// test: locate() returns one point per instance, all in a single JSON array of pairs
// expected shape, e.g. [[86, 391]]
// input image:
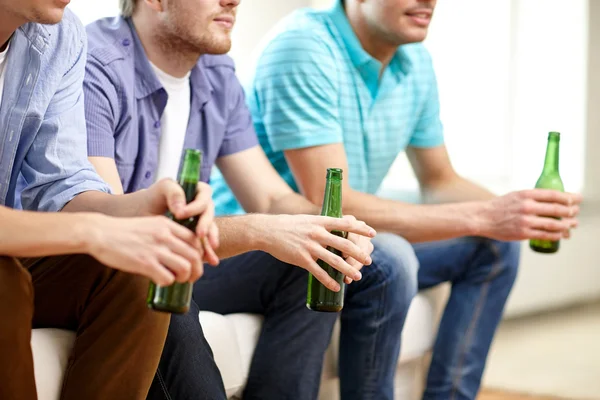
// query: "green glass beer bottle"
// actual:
[[176, 297], [319, 298], [550, 179]]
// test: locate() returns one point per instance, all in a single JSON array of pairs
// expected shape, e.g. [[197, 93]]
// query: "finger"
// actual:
[[576, 198], [347, 247], [321, 275], [553, 196], [347, 280], [571, 222], [174, 195], [198, 206], [566, 234], [189, 253], [548, 224], [551, 209], [213, 236], [185, 234], [354, 264], [205, 220], [158, 274], [209, 254], [542, 235], [197, 271], [336, 262], [347, 225], [178, 265]]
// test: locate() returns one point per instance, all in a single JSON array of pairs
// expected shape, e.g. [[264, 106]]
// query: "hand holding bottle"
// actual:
[[303, 239], [539, 214]]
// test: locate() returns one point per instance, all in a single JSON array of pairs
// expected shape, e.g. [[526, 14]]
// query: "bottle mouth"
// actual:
[[335, 173], [555, 135]]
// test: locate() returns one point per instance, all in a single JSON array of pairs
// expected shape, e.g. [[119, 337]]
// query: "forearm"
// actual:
[[454, 190], [240, 234], [293, 203], [128, 205], [36, 234], [416, 222]]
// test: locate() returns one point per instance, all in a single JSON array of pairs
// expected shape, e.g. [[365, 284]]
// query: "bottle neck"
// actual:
[[551, 161], [190, 174], [332, 201]]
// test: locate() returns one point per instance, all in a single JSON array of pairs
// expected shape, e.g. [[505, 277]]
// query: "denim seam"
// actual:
[[477, 314], [162, 385], [380, 312]]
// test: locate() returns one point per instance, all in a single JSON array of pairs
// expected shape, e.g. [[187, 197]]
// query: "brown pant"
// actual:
[[119, 340]]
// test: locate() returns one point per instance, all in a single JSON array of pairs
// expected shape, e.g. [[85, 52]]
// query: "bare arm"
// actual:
[[31, 234], [511, 217], [261, 190], [296, 239], [439, 181], [416, 223]]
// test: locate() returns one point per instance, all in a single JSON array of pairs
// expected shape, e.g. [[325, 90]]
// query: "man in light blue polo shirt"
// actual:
[[352, 87]]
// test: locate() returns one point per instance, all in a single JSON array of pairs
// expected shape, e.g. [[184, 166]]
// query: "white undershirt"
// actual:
[[173, 123], [3, 58]]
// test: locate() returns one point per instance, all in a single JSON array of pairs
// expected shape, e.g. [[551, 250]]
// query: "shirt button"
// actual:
[[148, 174], [157, 124], [126, 42]]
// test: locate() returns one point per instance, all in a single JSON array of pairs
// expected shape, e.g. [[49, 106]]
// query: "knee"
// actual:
[[508, 255], [395, 261], [15, 284]]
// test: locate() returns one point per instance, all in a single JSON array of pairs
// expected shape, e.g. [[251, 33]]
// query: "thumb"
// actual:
[[175, 197]]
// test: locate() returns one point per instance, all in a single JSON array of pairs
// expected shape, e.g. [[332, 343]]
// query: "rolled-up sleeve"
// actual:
[[240, 134], [56, 168]]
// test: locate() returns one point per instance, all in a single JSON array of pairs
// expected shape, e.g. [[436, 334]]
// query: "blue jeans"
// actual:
[[482, 273], [288, 358]]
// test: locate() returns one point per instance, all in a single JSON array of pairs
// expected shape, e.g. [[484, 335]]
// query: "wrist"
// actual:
[[478, 221], [86, 233], [258, 229]]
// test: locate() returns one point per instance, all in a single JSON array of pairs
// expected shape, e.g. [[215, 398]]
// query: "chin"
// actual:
[[220, 47], [415, 36], [49, 17]]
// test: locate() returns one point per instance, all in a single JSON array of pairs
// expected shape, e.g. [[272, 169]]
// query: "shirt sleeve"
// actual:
[[101, 109], [296, 89], [56, 168], [429, 131], [240, 134]]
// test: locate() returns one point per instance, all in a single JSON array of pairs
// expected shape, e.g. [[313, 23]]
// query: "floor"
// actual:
[[556, 354], [495, 395]]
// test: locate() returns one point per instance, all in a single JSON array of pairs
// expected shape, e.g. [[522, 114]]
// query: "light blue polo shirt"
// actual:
[[313, 85]]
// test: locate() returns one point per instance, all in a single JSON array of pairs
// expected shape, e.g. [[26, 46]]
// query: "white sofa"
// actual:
[[233, 338]]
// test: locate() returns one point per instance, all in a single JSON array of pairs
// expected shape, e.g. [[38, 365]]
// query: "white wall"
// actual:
[[91, 10]]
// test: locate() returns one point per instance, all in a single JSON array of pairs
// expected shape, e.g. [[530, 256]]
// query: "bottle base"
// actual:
[[324, 307], [544, 250], [168, 309]]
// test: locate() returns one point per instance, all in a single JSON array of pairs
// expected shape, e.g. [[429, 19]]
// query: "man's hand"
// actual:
[[302, 239], [363, 242], [531, 214], [155, 247], [168, 195]]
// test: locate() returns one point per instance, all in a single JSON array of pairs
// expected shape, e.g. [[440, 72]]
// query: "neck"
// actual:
[[369, 40], [8, 25], [169, 54]]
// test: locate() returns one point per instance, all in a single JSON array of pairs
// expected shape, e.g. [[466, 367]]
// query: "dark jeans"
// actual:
[[288, 358]]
